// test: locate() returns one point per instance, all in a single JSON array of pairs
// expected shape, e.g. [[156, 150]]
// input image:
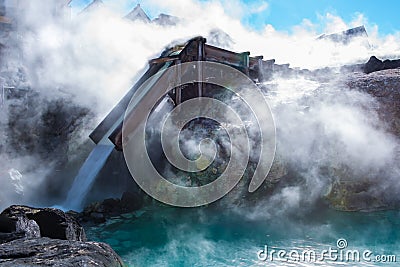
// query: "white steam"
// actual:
[[326, 134], [94, 58]]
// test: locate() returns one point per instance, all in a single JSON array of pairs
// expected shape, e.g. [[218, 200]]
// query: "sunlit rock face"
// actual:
[[384, 85], [368, 191], [355, 196]]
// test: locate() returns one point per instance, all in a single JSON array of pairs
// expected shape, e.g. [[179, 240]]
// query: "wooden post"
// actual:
[[178, 89], [200, 57], [245, 58], [260, 68]]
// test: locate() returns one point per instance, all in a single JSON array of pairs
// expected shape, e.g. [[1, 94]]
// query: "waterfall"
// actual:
[[87, 175]]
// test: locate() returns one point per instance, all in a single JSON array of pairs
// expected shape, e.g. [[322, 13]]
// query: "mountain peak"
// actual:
[[95, 4], [138, 14], [166, 20]]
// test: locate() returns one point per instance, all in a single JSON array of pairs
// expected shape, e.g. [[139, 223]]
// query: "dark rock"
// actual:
[[7, 237], [15, 211], [373, 64], [7, 225], [55, 252], [48, 237], [98, 212], [53, 223], [131, 201], [19, 224], [73, 214], [391, 64], [56, 224], [111, 205], [97, 217], [42, 127]]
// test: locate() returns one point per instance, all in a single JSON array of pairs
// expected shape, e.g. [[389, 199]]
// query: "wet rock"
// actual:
[[56, 224], [7, 225], [355, 196], [7, 237], [29, 227], [110, 205], [99, 212], [352, 192], [55, 252], [131, 201], [48, 237], [52, 223], [278, 170], [15, 227], [8, 230], [97, 217]]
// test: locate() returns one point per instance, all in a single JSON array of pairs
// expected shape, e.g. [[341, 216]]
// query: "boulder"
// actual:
[[45, 222], [49, 237], [17, 227], [55, 252]]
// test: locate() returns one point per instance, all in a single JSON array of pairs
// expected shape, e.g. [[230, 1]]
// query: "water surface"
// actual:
[[167, 236]]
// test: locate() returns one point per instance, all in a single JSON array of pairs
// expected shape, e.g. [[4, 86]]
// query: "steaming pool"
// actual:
[[282, 231], [167, 236]]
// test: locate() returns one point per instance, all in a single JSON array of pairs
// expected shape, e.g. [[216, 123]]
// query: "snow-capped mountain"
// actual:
[[138, 14]]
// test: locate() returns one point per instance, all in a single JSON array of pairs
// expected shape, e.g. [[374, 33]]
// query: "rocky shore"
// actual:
[[99, 212], [49, 237]]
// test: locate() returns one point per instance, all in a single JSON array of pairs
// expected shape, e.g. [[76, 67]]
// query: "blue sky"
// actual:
[[284, 14]]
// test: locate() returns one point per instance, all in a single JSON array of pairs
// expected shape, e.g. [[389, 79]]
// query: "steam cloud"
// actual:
[[95, 57]]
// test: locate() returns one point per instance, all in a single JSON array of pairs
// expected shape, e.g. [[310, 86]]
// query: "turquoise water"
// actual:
[[212, 236]]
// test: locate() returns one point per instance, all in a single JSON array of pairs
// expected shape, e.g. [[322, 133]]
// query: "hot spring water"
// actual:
[[167, 236], [287, 229]]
